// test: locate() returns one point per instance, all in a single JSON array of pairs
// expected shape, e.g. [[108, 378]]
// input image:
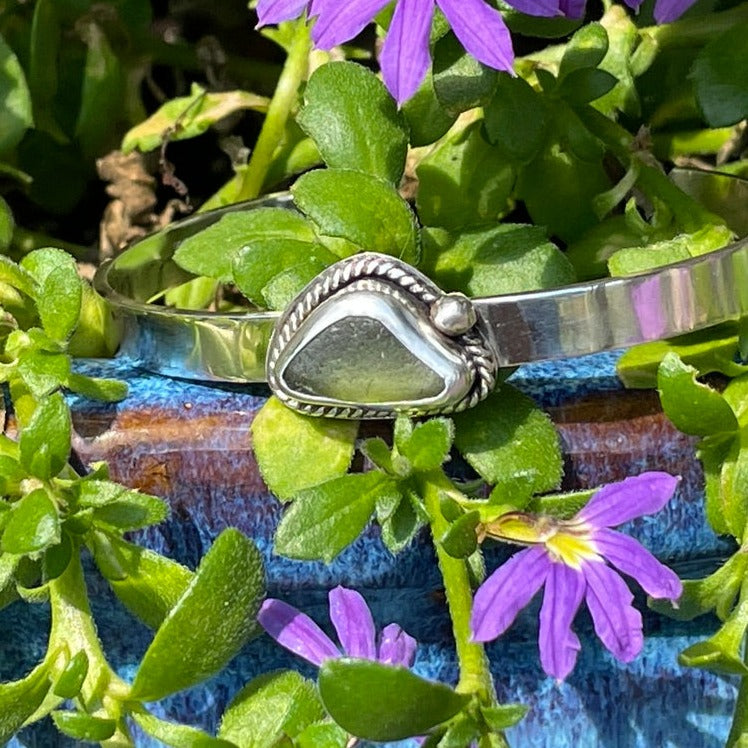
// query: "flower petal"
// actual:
[[668, 10], [396, 647], [634, 559], [617, 623], [337, 22], [509, 589], [351, 617], [296, 632], [536, 7], [405, 57], [270, 12], [482, 31], [562, 596], [572, 8], [619, 502]]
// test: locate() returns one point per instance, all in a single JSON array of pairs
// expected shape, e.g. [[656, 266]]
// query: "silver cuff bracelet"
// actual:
[[371, 337]]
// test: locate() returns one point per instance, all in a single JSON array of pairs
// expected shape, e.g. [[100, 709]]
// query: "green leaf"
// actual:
[[189, 116], [461, 731], [33, 524], [44, 49], [11, 474], [322, 735], [586, 85], [223, 599], [463, 181], [295, 452], [427, 119], [20, 699], [375, 449], [43, 372], [120, 507], [682, 247], [516, 120], [508, 258], [324, 519], [709, 350], [281, 290], [378, 219], [211, 252], [148, 584], [722, 653], [98, 331], [15, 113], [716, 592], [508, 435], [377, 702], [107, 390], [71, 680], [726, 472], [428, 445], [354, 121], [693, 407], [84, 727], [275, 705], [400, 526], [460, 541], [585, 50], [721, 80], [14, 275], [45, 441], [60, 290], [558, 185], [180, 736], [256, 264], [132, 512], [460, 81], [102, 94], [8, 565], [503, 716]]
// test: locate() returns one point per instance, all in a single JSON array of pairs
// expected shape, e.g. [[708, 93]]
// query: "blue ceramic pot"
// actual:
[[191, 444]]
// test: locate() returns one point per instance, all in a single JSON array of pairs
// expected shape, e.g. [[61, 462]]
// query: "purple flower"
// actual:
[[568, 557], [351, 617], [405, 55]]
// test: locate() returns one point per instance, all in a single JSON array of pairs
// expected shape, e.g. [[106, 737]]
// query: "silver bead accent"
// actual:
[[453, 314]]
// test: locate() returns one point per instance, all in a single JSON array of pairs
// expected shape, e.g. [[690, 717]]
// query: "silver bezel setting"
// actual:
[[476, 355]]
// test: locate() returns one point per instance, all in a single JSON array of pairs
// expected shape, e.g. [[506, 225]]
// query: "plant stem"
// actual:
[[74, 629], [695, 31], [689, 213], [739, 725], [294, 72], [475, 676]]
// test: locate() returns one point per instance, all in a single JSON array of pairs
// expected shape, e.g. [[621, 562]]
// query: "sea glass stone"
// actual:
[[366, 347]]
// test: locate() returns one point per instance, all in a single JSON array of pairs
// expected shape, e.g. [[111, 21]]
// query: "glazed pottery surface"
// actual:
[[191, 444]]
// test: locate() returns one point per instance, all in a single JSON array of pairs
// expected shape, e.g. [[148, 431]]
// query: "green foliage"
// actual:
[[326, 518], [15, 116], [508, 436], [189, 116], [224, 597], [507, 258], [295, 452], [463, 182], [379, 220], [721, 86], [693, 407], [377, 702], [278, 704], [211, 252], [354, 121]]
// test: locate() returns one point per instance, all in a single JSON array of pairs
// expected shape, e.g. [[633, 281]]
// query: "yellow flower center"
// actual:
[[567, 541]]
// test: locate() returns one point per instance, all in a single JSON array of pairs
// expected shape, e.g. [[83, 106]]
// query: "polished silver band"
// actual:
[[328, 331]]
